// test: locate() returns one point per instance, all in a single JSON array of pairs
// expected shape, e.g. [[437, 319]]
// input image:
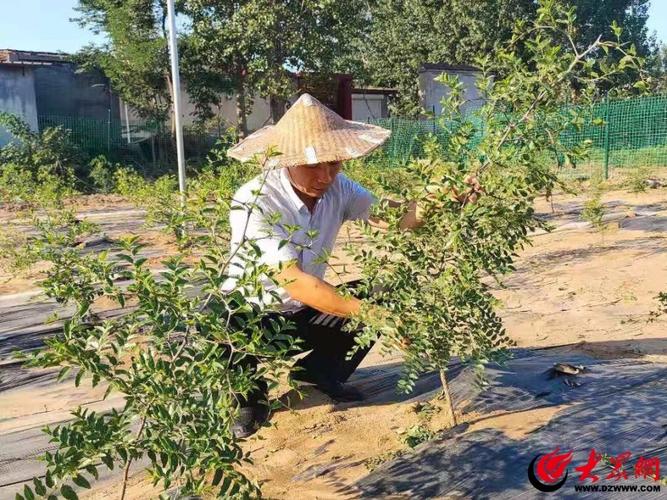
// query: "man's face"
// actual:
[[314, 180]]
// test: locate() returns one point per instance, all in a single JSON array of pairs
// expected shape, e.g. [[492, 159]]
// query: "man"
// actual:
[[304, 186]]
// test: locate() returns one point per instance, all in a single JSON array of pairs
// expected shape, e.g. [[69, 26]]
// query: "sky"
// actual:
[[41, 25], [45, 25], [658, 19]]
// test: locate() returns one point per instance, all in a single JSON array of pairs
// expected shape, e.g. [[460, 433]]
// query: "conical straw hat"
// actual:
[[310, 133]]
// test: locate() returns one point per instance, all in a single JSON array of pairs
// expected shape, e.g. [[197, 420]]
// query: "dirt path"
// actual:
[[598, 287], [575, 285]]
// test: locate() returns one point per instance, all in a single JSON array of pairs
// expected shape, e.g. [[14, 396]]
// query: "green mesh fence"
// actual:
[[93, 136], [409, 136], [634, 135], [145, 145]]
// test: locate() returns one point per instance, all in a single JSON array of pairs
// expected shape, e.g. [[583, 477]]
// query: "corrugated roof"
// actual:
[[26, 57], [374, 90], [448, 67]]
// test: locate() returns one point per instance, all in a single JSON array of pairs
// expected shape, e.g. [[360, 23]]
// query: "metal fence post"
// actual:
[[176, 90], [606, 137], [109, 129]]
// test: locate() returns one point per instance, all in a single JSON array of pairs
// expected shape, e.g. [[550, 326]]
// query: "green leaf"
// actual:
[[217, 477], [27, 492], [625, 60], [92, 470], [79, 376], [63, 373], [48, 479], [40, 489], [81, 481], [108, 461], [68, 492]]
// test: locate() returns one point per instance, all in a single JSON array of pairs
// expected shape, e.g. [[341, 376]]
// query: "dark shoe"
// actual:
[[334, 389], [250, 419], [303, 375], [340, 392]]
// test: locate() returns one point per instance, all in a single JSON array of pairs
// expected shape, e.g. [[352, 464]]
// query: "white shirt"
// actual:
[[257, 212]]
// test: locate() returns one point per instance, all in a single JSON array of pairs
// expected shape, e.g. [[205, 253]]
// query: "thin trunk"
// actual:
[[277, 108], [126, 471], [448, 397], [170, 87], [241, 111], [276, 102]]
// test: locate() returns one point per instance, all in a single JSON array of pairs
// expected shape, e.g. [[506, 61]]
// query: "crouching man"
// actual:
[[305, 186]]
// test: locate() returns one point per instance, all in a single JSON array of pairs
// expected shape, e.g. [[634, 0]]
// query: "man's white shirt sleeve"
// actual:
[[358, 200], [265, 236]]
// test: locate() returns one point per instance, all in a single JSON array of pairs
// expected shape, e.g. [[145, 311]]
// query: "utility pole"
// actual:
[[109, 116], [127, 124], [606, 137], [176, 86]]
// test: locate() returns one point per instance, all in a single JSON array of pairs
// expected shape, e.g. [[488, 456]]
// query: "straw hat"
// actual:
[[310, 133]]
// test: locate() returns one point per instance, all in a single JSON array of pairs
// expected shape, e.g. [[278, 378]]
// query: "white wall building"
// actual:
[[17, 96], [370, 103], [432, 92]]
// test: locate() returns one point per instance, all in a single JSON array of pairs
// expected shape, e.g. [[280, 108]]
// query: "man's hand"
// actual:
[[324, 297], [316, 293], [470, 194], [414, 216], [473, 193], [389, 323], [416, 210]]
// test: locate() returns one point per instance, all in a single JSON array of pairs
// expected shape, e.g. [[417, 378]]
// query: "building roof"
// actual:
[[374, 90], [448, 67], [27, 57]]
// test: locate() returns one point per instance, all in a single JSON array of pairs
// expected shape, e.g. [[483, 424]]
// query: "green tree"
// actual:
[[595, 17], [476, 188], [50, 150], [176, 355], [36, 165], [250, 47], [405, 34], [135, 56], [657, 67], [228, 49]]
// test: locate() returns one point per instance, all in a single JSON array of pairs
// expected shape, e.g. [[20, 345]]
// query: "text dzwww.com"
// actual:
[[645, 488]]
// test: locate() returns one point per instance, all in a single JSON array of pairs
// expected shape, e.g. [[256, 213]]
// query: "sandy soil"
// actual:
[[575, 285], [582, 285]]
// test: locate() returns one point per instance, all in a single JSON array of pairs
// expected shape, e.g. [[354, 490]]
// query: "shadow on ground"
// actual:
[[619, 405], [653, 224], [522, 383], [489, 464]]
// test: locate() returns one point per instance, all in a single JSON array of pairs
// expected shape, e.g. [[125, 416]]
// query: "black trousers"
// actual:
[[321, 334]]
